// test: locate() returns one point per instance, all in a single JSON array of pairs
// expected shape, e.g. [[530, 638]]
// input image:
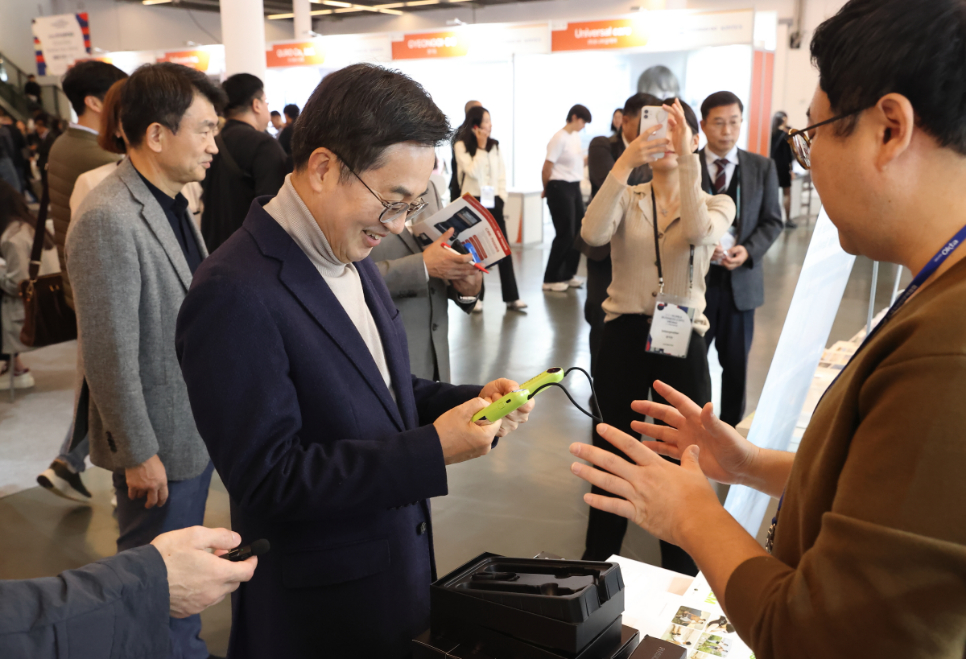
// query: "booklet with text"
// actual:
[[474, 227]]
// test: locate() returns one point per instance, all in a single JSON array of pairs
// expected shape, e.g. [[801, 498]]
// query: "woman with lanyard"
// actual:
[[868, 553], [662, 236]]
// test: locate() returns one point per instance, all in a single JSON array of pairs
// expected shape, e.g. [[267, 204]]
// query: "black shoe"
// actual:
[[61, 480], [790, 225]]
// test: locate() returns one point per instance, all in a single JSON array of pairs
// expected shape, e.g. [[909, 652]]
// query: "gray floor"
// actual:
[[517, 501]]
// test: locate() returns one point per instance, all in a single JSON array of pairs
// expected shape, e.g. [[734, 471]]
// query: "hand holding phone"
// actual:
[[652, 116]]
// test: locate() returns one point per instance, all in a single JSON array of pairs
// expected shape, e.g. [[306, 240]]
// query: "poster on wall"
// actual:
[[59, 41], [429, 45]]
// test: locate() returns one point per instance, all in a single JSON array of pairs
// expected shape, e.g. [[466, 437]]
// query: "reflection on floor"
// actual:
[[519, 500]]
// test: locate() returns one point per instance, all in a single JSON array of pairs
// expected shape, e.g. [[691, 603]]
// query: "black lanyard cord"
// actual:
[[657, 250]]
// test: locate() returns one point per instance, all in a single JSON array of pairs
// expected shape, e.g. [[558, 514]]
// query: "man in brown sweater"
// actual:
[[72, 154], [869, 550]]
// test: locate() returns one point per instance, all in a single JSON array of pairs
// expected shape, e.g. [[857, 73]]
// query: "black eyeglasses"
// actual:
[[392, 210], [801, 140]]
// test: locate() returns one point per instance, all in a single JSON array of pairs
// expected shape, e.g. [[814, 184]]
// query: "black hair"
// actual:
[[13, 208], [580, 112], [162, 93], [718, 100], [89, 78], [466, 135], [873, 48], [778, 120], [633, 105], [44, 118], [361, 110], [241, 89], [274, 113], [689, 116], [291, 111]]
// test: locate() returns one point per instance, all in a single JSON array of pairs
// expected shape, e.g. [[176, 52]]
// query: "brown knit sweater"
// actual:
[[870, 549]]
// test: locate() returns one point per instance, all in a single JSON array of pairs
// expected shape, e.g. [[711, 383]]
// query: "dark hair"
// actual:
[[30, 76], [466, 135], [718, 100], [108, 138], [291, 111], [580, 112], [274, 113], [89, 78], [689, 115], [43, 118], [241, 89], [778, 120], [162, 93], [633, 105], [870, 49], [13, 208], [361, 110]]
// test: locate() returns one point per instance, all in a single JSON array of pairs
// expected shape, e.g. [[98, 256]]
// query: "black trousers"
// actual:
[[599, 274], [625, 373], [731, 331], [566, 206], [508, 280]]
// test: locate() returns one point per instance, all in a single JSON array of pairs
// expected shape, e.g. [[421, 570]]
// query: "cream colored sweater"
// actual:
[[621, 215]]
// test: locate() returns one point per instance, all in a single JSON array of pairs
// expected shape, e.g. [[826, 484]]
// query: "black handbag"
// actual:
[[47, 318]]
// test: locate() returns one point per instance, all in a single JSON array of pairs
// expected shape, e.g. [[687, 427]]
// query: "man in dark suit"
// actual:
[[736, 282], [421, 283], [601, 156], [296, 365]]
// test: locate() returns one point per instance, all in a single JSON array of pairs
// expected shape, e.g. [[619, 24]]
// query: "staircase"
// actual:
[[12, 98]]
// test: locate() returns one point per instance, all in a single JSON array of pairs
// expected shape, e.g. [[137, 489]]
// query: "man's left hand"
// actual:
[[498, 388], [735, 257], [470, 285]]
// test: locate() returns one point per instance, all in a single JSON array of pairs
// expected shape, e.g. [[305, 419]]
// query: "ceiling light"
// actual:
[[337, 3], [389, 6], [420, 3], [154, 2], [315, 12], [455, 1]]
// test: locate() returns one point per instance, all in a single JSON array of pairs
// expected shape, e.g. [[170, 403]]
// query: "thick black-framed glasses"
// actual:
[[392, 210], [801, 140]]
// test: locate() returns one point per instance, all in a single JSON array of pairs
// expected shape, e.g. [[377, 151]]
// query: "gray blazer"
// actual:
[[116, 607], [422, 301], [759, 222], [129, 278]]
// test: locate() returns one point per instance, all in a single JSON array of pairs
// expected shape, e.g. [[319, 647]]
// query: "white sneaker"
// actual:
[[23, 381], [576, 282], [516, 305], [478, 307], [557, 286]]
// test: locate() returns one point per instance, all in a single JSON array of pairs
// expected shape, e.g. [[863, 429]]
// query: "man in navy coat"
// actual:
[[298, 373]]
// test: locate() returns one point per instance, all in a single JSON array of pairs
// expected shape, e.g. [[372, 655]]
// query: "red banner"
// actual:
[[432, 44]]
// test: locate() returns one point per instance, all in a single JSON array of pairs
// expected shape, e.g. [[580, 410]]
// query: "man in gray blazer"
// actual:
[[131, 253], [421, 282], [736, 280]]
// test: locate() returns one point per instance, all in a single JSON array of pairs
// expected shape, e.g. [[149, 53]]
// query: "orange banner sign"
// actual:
[[306, 53], [596, 35], [196, 59], [433, 44]]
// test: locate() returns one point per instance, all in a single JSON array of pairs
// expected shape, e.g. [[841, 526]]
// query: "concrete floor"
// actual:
[[519, 500]]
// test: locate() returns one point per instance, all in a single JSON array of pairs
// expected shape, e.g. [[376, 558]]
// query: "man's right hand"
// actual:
[[196, 578], [726, 456], [462, 439], [148, 479], [444, 263]]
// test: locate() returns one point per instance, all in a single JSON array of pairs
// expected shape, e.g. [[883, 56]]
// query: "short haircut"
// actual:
[[689, 115], [42, 118], [274, 113], [361, 110], [470, 104], [633, 105], [89, 78], [718, 100], [111, 120], [291, 111], [241, 89], [162, 93], [580, 112], [659, 78], [873, 48]]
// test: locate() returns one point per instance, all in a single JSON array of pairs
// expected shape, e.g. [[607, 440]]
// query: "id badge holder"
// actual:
[[488, 196], [671, 325]]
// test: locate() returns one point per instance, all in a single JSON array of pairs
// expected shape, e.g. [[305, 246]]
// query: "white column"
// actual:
[[243, 33], [303, 18]]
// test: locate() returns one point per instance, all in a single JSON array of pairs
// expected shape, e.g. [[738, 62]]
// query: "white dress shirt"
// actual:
[[732, 158]]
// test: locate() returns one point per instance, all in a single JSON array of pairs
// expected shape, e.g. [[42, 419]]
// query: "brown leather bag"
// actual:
[[47, 318]]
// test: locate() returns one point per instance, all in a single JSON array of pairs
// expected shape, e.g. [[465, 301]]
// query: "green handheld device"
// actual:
[[513, 400]]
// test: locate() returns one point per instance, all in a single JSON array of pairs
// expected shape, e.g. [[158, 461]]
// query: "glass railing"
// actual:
[[12, 81]]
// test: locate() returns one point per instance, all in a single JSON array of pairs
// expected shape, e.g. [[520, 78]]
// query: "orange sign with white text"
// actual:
[[433, 44], [597, 35], [305, 53], [196, 59]]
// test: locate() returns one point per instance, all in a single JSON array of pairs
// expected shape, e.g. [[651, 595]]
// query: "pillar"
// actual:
[[303, 18], [243, 33]]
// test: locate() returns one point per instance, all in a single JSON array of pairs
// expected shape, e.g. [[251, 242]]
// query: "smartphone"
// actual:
[[652, 116]]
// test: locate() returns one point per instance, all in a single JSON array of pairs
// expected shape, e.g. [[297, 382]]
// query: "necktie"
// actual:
[[719, 179]]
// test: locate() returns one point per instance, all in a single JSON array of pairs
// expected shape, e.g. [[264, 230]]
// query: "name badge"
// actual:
[[671, 326], [488, 196]]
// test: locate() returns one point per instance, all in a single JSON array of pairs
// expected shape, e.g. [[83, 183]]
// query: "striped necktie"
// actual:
[[720, 180]]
